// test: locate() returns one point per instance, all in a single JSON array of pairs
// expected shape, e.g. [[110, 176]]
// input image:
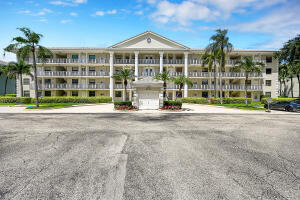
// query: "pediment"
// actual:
[[149, 40]]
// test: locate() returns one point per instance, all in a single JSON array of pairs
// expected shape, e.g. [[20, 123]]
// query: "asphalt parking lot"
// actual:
[[149, 156]]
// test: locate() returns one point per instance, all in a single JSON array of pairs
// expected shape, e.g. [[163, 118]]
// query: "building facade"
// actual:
[[10, 85], [88, 71]]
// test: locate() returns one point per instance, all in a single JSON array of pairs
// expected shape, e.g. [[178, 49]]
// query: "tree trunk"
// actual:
[[165, 91], [292, 89], [215, 81], [280, 87], [35, 79], [246, 87], [284, 88], [298, 77], [5, 86], [221, 91], [125, 90], [21, 85]]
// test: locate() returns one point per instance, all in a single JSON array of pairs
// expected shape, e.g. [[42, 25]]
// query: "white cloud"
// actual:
[[43, 20], [140, 12], [100, 13], [44, 11], [24, 12], [112, 12], [65, 21], [73, 14], [67, 2]]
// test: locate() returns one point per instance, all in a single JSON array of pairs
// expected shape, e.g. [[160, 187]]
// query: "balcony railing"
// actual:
[[144, 74], [124, 61], [70, 61], [227, 62], [149, 61], [225, 74], [173, 61], [59, 86], [121, 86], [72, 73], [224, 87]]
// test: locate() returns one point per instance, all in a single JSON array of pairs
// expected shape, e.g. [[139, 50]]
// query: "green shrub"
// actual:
[[275, 100], [102, 99], [173, 103], [226, 100], [11, 95], [25, 100], [123, 103]]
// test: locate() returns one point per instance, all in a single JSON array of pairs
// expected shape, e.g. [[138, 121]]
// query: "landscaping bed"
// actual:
[[226, 100], [124, 105], [172, 105]]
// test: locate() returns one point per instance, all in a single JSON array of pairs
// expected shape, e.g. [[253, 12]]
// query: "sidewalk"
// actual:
[[108, 108]]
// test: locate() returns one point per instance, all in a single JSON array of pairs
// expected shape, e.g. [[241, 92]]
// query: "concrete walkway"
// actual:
[[108, 108]]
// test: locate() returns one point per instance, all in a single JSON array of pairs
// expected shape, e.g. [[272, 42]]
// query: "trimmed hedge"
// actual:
[[123, 103], [25, 100], [275, 100], [226, 100], [11, 95], [173, 103], [74, 99]]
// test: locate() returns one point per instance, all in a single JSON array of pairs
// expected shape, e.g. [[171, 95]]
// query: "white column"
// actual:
[[161, 62], [186, 72], [111, 73], [136, 66]]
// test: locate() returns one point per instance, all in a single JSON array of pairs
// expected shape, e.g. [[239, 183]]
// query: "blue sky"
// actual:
[[252, 24]]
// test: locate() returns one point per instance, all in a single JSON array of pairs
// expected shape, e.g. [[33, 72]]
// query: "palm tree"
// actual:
[[164, 76], [124, 75], [17, 69], [28, 46], [210, 58], [181, 80], [283, 75], [220, 42], [291, 73], [249, 66], [6, 70]]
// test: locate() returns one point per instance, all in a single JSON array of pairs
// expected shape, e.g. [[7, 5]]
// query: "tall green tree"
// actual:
[[124, 75], [164, 76], [220, 43], [6, 70], [249, 66], [283, 75], [29, 46], [17, 69], [181, 80], [210, 59]]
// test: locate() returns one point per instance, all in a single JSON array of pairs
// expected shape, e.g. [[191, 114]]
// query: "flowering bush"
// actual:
[[171, 105], [124, 107], [170, 108]]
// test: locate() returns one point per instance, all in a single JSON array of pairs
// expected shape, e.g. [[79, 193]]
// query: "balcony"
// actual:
[[64, 86], [145, 74], [173, 61], [121, 86], [70, 73], [225, 87], [225, 74], [124, 61], [149, 61], [70, 61]]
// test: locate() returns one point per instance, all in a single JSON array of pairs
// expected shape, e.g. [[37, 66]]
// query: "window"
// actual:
[[83, 69], [205, 70], [92, 57], [26, 81], [47, 93], [47, 69], [178, 94], [205, 94], [47, 81], [118, 94], [74, 93], [268, 82], [92, 69], [248, 82], [101, 94], [92, 81], [74, 81], [170, 95], [268, 94], [26, 93], [92, 93], [118, 82], [75, 56], [74, 69], [269, 59], [269, 71], [204, 82]]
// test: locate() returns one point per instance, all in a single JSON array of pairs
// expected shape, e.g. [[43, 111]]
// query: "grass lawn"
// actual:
[[53, 105], [252, 106]]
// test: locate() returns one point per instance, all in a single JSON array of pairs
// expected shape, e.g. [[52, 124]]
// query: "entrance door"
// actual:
[[148, 100]]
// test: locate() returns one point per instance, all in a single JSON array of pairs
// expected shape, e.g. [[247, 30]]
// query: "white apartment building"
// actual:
[[88, 71]]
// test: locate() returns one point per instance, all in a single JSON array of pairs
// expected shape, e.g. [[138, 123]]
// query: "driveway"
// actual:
[[150, 156], [108, 108]]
